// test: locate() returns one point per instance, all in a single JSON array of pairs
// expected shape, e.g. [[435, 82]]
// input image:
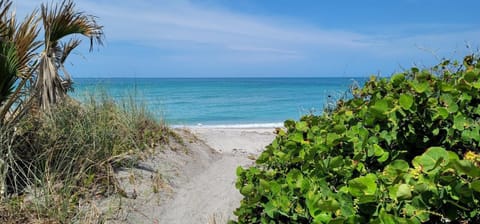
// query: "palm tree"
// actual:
[[40, 79], [17, 49], [59, 22]]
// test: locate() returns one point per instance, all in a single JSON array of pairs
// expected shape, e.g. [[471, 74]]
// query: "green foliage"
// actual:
[[401, 150], [8, 69]]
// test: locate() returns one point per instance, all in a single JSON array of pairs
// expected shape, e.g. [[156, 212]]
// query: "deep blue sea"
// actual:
[[222, 101]]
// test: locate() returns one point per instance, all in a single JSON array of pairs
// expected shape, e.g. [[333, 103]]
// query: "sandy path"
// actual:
[[198, 179], [212, 193]]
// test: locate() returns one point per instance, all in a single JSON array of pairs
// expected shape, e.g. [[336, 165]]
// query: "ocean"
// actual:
[[229, 102]]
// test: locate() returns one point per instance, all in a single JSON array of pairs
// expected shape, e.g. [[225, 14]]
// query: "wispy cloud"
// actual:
[[183, 22], [186, 31]]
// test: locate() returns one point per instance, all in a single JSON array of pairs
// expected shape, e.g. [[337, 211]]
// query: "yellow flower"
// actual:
[[471, 156]]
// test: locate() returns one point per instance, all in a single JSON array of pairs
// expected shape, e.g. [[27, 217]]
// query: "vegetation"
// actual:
[[55, 153], [400, 150], [51, 163], [32, 79]]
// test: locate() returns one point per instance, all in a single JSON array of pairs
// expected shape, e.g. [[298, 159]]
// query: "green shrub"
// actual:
[[401, 150]]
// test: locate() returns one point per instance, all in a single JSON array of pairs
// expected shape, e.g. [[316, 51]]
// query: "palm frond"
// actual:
[[8, 70], [4, 17], [63, 20], [26, 42], [23, 37], [67, 48]]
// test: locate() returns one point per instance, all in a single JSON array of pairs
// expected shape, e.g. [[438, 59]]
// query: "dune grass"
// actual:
[[51, 163]]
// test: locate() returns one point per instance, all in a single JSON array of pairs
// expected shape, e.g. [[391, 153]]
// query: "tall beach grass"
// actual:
[[51, 163]]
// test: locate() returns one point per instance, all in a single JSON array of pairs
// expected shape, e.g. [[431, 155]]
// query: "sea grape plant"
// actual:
[[403, 149]]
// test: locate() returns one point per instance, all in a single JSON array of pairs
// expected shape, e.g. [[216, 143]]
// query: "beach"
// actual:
[[198, 178], [247, 140]]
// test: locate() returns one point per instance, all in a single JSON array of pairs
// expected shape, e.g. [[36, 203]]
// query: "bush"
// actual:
[[401, 150]]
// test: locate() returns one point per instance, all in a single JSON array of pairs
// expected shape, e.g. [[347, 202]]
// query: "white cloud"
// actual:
[[187, 23], [187, 32], [182, 21]]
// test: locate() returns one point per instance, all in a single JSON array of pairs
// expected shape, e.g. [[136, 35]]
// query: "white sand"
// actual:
[[200, 179], [232, 140], [212, 192]]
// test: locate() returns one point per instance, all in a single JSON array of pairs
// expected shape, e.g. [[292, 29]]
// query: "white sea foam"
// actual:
[[232, 126]]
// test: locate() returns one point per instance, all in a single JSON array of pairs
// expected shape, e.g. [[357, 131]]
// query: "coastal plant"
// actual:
[[39, 79], [403, 149], [59, 22], [18, 45], [69, 156]]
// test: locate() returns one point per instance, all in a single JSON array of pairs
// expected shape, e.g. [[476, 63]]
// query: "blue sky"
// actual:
[[273, 38]]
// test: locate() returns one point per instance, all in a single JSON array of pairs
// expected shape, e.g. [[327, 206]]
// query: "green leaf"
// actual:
[[450, 102], [302, 126], [431, 159], [294, 178], [336, 162], [459, 122], [447, 87], [270, 209], [247, 189], [330, 205], [476, 84], [386, 218], [339, 128], [441, 113], [380, 107], [378, 151], [404, 192], [397, 79], [296, 137], [470, 76], [289, 124], [322, 217], [406, 101], [452, 108], [466, 167], [477, 110], [240, 170], [420, 87], [362, 186], [384, 157], [395, 169], [312, 200]]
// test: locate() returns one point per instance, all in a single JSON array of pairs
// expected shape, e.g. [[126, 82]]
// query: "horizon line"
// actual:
[[224, 77]]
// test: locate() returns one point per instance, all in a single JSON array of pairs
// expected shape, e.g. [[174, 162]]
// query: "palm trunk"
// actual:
[[48, 86]]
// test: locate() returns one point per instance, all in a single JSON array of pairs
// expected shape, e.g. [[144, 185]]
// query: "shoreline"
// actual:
[[267, 125]]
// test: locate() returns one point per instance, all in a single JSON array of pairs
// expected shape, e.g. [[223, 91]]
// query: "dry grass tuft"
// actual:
[[217, 218]]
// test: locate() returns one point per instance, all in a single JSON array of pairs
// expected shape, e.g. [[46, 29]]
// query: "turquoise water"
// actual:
[[223, 101]]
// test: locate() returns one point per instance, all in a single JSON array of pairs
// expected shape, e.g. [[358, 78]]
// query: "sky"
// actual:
[[272, 38]]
